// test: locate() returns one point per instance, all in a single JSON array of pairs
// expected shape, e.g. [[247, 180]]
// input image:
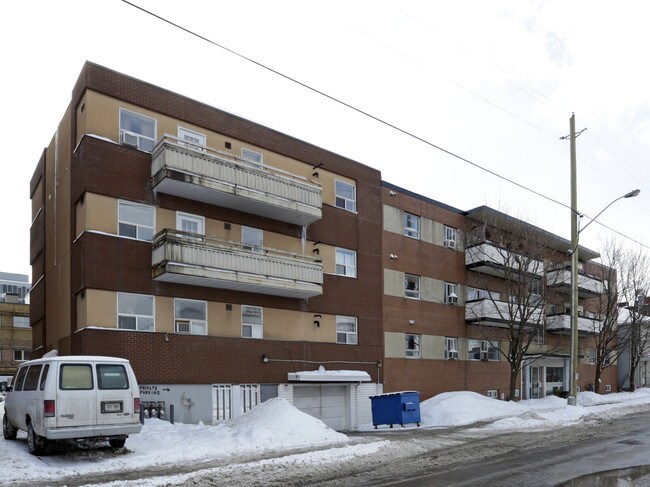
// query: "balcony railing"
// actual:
[[499, 313], [193, 259], [488, 258], [219, 178], [561, 323], [588, 286]]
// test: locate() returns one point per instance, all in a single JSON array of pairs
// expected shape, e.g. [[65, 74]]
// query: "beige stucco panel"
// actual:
[[100, 309], [433, 347], [395, 345], [393, 283], [393, 220], [97, 213]]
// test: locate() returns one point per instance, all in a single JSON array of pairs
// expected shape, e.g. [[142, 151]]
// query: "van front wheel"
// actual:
[[8, 431], [35, 443]]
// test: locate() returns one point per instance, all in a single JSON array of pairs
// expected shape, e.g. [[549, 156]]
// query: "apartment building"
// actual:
[[228, 262], [458, 284], [15, 333]]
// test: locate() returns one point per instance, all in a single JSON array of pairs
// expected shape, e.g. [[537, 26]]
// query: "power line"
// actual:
[[366, 114]]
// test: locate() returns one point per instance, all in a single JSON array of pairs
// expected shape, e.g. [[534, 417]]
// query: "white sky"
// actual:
[[276, 426], [494, 82]]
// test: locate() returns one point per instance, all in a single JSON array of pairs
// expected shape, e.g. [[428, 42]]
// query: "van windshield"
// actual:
[[112, 376]]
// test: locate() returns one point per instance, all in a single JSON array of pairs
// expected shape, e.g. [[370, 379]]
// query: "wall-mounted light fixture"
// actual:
[[393, 193], [411, 322], [317, 322], [392, 256], [166, 337], [265, 359]]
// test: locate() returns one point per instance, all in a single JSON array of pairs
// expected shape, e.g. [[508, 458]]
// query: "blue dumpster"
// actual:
[[396, 408]]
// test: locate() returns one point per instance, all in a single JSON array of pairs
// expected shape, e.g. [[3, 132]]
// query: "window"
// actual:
[[191, 139], [76, 377], [135, 312], [591, 355], [251, 322], [136, 221], [483, 350], [412, 346], [412, 286], [252, 156], [493, 350], [190, 223], [450, 237], [451, 293], [21, 321], [31, 379], [20, 377], [473, 349], [191, 316], [46, 369], [346, 262], [346, 197], [21, 355], [411, 225], [252, 238], [112, 377], [346, 330], [475, 294], [451, 348], [554, 374], [137, 130]]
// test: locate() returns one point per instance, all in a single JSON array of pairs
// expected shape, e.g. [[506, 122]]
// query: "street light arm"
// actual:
[[631, 194]]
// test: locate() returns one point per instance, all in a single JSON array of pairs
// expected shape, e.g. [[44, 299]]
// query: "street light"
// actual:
[[575, 233]]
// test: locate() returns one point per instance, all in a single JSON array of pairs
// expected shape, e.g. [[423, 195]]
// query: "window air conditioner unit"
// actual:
[[450, 244], [129, 139], [183, 326], [452, 354]]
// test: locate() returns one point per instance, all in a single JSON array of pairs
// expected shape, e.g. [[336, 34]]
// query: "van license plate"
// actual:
[[111, 407]]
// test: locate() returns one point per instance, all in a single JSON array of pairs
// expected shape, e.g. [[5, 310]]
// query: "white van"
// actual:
[[73, 397]]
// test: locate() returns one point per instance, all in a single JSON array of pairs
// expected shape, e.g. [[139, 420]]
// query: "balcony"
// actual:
[[491, 259], [560, 280], [185, 258], [219, 178], [561, 324], [498, 313]]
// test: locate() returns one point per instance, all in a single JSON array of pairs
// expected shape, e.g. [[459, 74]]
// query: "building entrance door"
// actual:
[[536, 386]]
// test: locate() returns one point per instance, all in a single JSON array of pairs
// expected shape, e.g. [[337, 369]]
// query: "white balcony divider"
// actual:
[[562, 322], [497, 311], [562, 277], [489, 253], [181, 256], [224, 173]]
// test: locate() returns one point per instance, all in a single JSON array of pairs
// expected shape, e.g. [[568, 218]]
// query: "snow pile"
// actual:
[[464, 407], [274, 425]]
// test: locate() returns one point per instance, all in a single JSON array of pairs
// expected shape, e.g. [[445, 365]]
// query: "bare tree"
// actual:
[[509, 298], [609, 340], [633, 284]]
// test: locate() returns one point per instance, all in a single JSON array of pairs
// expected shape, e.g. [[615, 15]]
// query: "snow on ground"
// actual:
[[275, 426]]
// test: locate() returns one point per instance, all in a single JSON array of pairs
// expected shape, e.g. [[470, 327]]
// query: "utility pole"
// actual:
[[573, 369]]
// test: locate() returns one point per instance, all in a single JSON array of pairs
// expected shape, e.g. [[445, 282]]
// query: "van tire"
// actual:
[[8, 430], [35, 443], [117, 442]]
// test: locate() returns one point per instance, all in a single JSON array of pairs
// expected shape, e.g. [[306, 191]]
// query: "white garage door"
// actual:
[[326, 403]]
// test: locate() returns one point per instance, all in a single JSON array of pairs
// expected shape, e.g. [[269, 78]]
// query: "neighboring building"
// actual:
[[222, 258], [634, 343], [15, 332], [446, 301]]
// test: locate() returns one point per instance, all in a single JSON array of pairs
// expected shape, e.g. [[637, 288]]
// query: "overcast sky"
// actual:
[[493, 82]]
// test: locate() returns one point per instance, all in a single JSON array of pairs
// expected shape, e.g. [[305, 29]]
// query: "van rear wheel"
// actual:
[[117, 442], [8, 431], [35, 443]]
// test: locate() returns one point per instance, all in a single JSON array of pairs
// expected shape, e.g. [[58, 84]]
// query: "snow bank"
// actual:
[[464, 407]]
